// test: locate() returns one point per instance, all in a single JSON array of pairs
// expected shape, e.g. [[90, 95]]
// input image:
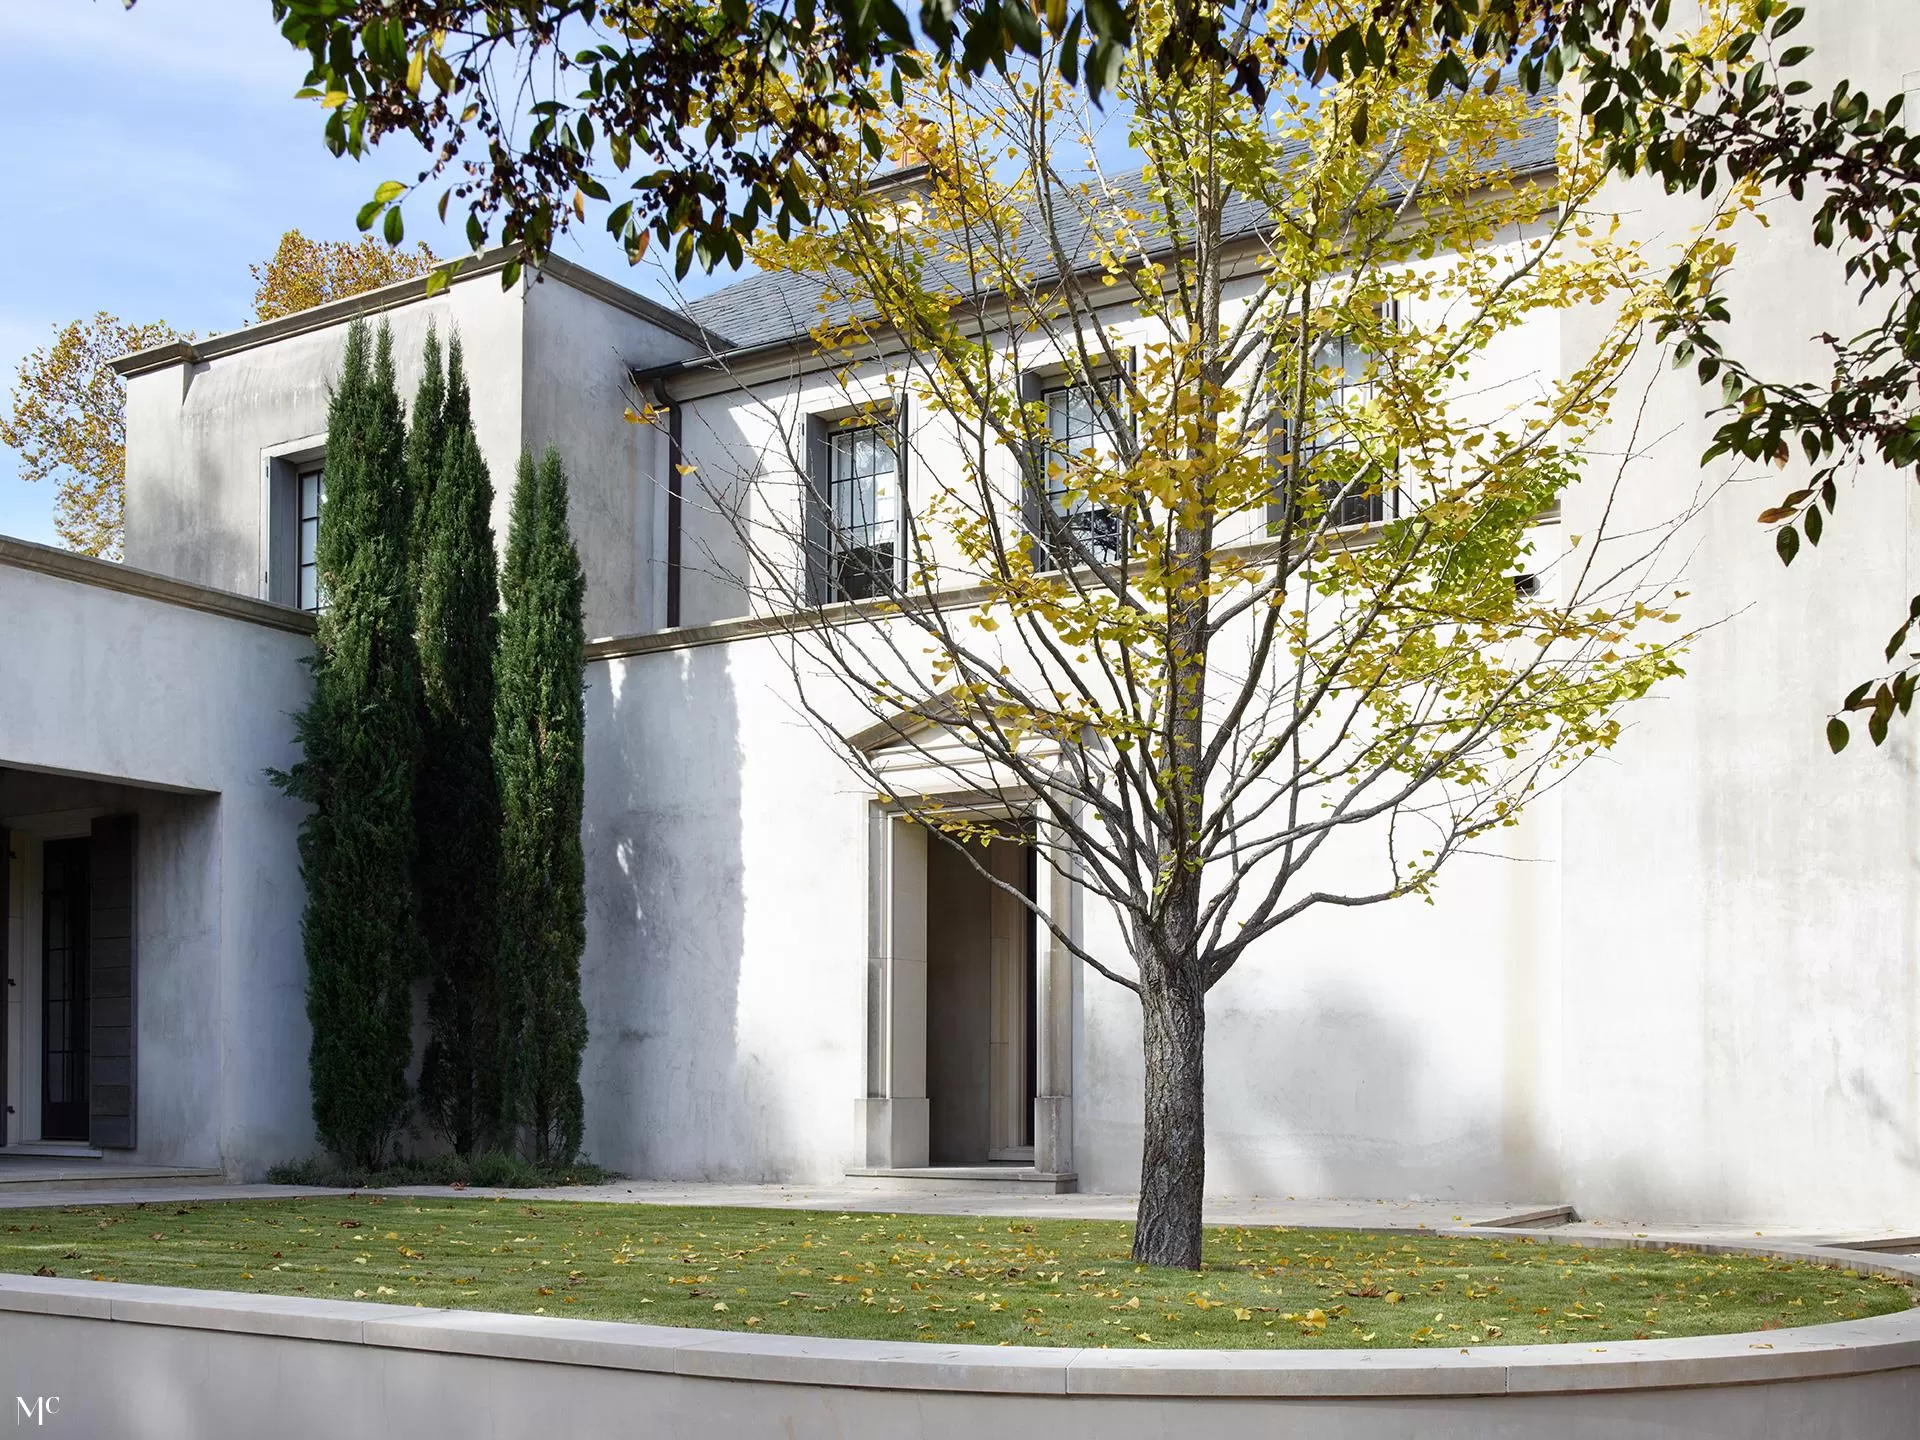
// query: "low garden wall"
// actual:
[[84, 1359]]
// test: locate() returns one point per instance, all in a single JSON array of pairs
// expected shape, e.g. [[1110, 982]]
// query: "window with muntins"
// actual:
[[1354, 491], [310, 487], [1074, 527], [861, 496]]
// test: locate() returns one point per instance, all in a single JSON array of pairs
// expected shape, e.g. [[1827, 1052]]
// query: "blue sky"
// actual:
[[153, 155]]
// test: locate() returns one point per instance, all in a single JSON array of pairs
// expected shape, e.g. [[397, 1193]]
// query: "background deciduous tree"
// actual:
[[1262, 609], [303, 273], [68, 423]]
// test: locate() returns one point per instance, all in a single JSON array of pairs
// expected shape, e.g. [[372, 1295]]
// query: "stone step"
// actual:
[[970, 1179], [1544, 1218], [39, 1172]]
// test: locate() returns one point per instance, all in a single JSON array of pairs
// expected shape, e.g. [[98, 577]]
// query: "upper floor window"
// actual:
[[853, 535], [310, 487], [1354, 489], [1073, 527]]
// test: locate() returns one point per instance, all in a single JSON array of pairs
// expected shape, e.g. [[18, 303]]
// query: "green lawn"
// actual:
[[985, 1281]]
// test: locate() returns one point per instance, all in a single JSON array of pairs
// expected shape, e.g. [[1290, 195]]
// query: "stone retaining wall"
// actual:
[[95, 1359]]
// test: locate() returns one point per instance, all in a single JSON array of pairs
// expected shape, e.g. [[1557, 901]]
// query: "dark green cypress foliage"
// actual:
[[457, 804], [359, 738], [426, 440], [539, 755]]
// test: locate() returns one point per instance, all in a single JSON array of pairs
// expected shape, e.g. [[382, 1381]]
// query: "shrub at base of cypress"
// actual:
[[359, 737], [538, 750], [457, 803]]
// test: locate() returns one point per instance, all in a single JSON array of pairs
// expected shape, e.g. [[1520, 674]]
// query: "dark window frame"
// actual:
[[856, 531], [309, 479], [1357, 508], [1063, 536]]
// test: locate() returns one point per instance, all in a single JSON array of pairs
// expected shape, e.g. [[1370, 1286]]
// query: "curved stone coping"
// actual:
[[1855, 1347]]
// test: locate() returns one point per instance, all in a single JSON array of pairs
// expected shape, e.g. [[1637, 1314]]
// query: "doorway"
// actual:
[[65, 898], [980, 1009]]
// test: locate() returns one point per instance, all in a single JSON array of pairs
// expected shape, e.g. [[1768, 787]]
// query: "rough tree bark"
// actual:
[[1173, 1160]]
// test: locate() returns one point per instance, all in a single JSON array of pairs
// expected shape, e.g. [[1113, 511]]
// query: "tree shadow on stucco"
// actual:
[[668, 1093], [1317, 1098]]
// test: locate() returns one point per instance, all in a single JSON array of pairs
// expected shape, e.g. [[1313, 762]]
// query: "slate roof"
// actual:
[[771, 307]]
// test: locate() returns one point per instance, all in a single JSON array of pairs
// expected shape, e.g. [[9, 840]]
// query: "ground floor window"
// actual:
[[64, 899]]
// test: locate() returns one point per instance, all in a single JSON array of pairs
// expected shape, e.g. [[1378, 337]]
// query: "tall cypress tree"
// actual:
[[359, 737], [457, 804], [539, 754], [426, 442]]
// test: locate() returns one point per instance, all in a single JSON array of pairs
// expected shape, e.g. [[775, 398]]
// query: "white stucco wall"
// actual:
[[1742, 909], [198, 435], [727, 925], [1406, 1050], [176, 714], [579, 352]]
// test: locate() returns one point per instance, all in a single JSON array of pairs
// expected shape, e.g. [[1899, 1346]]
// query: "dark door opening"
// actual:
[[63, 989], [980, 1002]]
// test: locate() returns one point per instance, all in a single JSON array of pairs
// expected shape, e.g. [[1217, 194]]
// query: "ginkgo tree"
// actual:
[[1231, 541]]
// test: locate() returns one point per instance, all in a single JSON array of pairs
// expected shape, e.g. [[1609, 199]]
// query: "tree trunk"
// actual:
[[1173, 1162]]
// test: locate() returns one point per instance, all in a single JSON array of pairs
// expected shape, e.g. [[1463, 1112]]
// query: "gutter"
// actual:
[[675, 499]]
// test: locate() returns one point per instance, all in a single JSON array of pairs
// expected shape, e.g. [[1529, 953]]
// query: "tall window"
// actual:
[[63, 994], [860, 495], [1078, 431], [1354, 489], [310, 487]]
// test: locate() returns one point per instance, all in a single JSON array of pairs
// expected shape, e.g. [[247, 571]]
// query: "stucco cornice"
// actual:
[[404, 292], [750, 627], [85, 570]]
